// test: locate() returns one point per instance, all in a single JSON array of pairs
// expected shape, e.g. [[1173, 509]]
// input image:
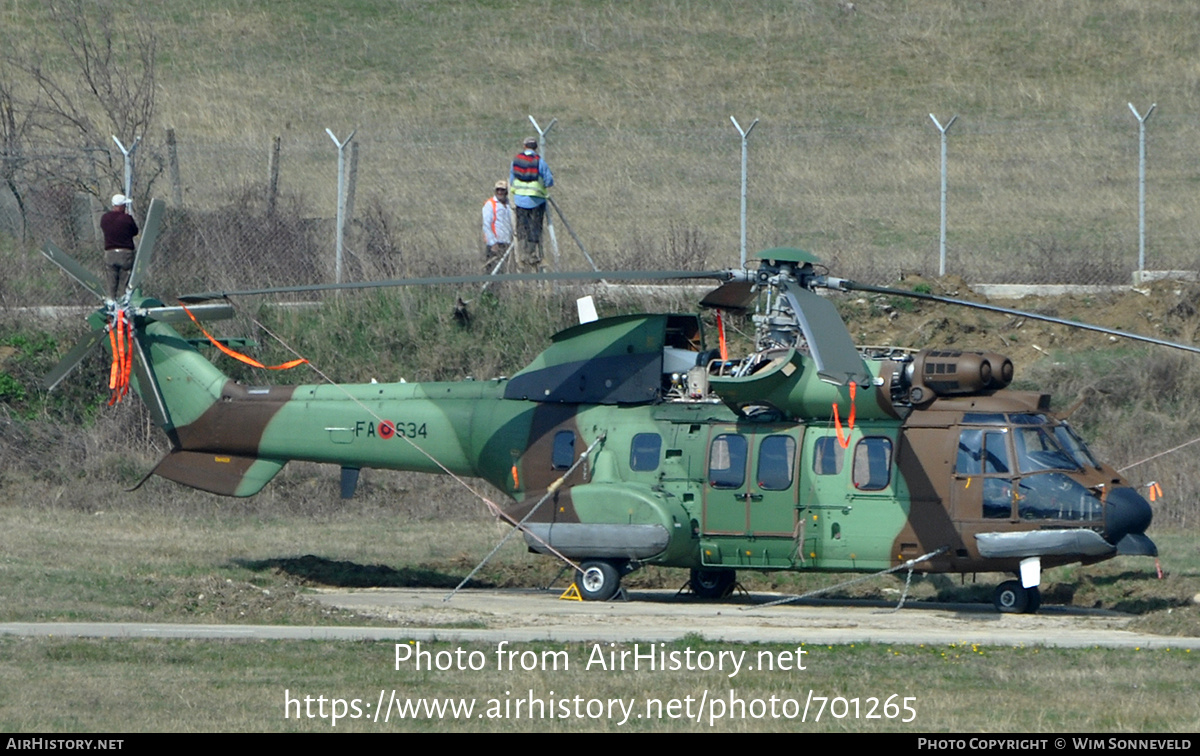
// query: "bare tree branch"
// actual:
[[107, 89]]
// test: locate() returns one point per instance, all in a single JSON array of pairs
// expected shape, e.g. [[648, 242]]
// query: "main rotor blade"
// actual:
[[175, 313], [844, 285], [151, 396], [145, 250], [832, 347], [85, 277], [623, 275], [731, 295], [73, 358]]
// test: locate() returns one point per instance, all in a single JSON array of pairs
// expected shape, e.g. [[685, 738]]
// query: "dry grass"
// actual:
[[97, 685]]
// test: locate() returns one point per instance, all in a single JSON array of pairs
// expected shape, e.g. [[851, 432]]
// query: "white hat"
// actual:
[[121, 199]]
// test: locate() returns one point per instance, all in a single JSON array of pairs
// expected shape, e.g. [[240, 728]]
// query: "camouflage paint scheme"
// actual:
[[694, 460], [605, 379]]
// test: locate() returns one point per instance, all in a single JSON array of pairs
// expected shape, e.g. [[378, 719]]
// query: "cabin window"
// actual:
[[644, 452], [775, 456], [563, 455], [873, 464], [827, 456], [727, 461]]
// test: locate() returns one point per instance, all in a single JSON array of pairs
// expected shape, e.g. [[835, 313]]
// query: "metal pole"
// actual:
[[549, 217], [745, 134], [173, 168], [341, 200], [942, 236], [128, 153], [1142, 182], [273, 176], [351, 182], [574, 236]]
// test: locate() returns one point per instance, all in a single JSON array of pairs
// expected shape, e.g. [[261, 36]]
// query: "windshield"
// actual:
[[1031, 473], [1038, 450], [1074, 446]]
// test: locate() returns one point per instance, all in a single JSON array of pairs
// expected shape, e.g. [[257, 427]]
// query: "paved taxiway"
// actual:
[[528, 615]]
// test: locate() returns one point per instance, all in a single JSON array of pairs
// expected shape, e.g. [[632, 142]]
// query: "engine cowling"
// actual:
[[940, 372]]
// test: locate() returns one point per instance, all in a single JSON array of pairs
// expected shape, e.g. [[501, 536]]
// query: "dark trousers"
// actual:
[[529, 223], [118, 263]]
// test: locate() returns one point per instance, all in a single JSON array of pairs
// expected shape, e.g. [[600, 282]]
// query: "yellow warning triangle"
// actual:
[[571, 594]]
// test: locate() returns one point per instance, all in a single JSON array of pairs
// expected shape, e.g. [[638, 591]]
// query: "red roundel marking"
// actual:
[[387, 429]]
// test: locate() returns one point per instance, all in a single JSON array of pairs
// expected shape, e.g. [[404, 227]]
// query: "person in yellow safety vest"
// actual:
[[529, 178], [497, 226]]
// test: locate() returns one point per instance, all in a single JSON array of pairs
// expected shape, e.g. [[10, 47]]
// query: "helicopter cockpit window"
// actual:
[[872, 464], [981, 452], [970, 452], [827, 456], [1055, 496], [984, 418], [775, 455], [1026, 418], [1074, 446], [1037, 450], [997, 498], [727, 461], [644, 452], [563, 455]]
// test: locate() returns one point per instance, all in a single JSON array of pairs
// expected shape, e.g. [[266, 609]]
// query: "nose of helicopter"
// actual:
[[1126, 517]]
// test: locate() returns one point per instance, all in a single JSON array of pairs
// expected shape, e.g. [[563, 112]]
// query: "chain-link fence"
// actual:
[[1029, 201]]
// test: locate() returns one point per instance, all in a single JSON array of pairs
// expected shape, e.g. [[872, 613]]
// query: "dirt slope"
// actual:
[[1168, 310]]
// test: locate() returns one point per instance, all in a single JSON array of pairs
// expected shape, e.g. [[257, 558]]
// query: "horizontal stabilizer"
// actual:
[[224, 474]]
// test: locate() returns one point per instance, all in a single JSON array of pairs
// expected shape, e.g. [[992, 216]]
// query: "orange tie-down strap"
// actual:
[[241, 357], [844, 441], [120, 337]]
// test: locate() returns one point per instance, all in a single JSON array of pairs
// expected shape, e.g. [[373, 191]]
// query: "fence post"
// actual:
[[341, 201], [273, 176], [128, 153], [351, 182], [942, 235], [745, 134], [173, 169], [1141, 186]]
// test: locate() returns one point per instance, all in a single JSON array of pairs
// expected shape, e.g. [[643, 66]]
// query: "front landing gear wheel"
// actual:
[[1013, 598], [598, 581], [713, 584]]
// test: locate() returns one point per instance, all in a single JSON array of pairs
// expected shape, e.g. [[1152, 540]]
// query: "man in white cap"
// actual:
[[119, 228], [497, 226]]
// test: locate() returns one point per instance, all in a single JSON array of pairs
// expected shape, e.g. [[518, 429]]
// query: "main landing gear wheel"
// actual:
[[598, 580], [713, 584], [1013, 598]]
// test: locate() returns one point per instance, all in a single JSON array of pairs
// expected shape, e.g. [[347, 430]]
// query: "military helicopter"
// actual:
[[805, 454]]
